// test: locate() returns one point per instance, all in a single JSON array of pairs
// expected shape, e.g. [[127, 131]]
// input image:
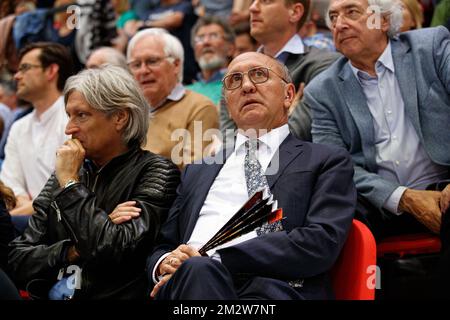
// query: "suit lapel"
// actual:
[[404, 72], [289, 149], [357, 104]]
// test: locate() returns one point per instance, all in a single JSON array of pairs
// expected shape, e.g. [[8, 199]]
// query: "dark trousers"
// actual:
[[444, 265], [202, 278], [421, 276], [7, 289], [384, 224]]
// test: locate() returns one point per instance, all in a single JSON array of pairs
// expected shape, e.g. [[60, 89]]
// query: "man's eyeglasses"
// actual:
[[211, 36], [149, 63], [24, 67], [256, 75]]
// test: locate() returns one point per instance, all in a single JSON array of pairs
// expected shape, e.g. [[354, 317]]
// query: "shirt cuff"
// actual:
[[154, 278], [391, 203], [216, 256]]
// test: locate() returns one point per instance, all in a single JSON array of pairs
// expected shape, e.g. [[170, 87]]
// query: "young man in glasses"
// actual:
[[33, 140], [155, 59], [312, 184]]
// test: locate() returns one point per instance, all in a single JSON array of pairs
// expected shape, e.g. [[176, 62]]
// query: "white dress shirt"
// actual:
[[229, 192], [30, 151], [400, 155]]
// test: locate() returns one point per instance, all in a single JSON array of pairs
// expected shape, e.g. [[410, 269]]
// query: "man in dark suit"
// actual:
[[275, 25], [312, 184]]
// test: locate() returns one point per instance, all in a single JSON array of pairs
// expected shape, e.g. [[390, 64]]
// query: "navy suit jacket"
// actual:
[[314, 188], [341, 115]]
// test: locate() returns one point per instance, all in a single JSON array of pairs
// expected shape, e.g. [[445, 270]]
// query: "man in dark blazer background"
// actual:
[[312, 184]]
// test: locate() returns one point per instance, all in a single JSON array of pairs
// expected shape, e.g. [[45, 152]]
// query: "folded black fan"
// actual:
[[254, 213]]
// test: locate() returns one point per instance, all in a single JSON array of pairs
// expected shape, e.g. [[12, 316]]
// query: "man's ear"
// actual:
[[385, 23], [121, 119], [177, 65], [289, 95], [296, 12], [52, 72]]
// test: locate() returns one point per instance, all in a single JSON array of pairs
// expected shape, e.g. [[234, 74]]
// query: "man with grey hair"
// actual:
[[387, 102], [213, 43], [106, 55], [155, 58], [98, 215]]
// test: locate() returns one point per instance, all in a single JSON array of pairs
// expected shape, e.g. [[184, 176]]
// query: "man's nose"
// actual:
[[17, 75], [71, 128], [247, 84], [254, 6], [340, 23]]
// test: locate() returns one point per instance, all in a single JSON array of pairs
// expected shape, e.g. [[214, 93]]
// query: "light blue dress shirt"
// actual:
[[400, 155]]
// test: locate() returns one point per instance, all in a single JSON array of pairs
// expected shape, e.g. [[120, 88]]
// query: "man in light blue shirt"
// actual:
[[387, 102]]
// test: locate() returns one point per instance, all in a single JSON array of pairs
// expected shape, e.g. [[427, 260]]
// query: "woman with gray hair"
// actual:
[[98, 216]]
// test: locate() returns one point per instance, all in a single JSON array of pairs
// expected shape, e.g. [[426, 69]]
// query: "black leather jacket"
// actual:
[[112, 257]]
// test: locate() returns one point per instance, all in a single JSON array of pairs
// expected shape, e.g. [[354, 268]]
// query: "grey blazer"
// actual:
[[341, 115]]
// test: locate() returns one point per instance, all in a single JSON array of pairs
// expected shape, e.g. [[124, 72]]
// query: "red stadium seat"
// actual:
[[353, 274]]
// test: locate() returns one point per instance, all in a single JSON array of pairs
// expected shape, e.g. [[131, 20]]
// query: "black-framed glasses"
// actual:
[[149, 62], [24, 67], [256, 75]]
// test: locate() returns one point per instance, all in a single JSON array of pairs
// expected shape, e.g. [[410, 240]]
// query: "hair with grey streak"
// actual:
[[110, 89], [390, 9], [172, 46]]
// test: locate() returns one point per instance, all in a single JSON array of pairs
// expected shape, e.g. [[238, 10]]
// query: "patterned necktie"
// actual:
[[256, 181], [253, 170]]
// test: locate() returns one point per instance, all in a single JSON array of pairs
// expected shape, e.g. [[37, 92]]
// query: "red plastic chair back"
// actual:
[[353, 274]]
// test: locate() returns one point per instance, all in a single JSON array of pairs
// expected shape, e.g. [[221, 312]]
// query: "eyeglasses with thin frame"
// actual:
[[211, 36], [24, 67], [148, 62], [256, 75]]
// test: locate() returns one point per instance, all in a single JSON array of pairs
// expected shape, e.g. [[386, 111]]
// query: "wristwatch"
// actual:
[[69, 183]]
